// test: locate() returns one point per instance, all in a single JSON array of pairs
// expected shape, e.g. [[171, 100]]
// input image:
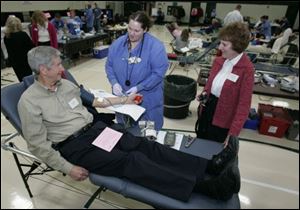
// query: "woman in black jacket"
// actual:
[[18, 43]]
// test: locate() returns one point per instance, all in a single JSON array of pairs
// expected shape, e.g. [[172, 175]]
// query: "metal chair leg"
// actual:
[[93, 197]]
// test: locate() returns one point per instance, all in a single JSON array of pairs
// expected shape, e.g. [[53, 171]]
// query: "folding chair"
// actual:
[[290, 53], [10, 96], [287, 54], [284, 50]]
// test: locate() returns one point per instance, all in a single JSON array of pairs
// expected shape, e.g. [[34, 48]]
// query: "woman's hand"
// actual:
[[202, 98], [199, 97], [225, 143]]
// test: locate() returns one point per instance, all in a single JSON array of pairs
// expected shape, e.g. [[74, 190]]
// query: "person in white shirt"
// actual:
[[226, 98], [234, 16], [43, 32]]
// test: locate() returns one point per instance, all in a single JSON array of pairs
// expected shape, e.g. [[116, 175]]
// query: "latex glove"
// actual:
[[132, 90], [117, 89]]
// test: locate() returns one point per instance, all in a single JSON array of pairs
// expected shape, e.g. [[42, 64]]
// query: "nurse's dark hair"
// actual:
[[142, 18]]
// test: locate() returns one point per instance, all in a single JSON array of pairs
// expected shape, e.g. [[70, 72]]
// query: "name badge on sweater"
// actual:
[[233, 77], [73, 103]]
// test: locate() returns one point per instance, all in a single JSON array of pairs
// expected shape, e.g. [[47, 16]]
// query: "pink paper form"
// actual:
[[107, 139]]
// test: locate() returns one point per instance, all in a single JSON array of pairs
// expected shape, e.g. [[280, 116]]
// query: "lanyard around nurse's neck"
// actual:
[[132, 60]]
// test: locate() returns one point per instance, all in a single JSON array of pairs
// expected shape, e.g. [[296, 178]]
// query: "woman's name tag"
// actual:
[[233, 77]]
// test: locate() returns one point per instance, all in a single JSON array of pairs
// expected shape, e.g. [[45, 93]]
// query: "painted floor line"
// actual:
[[270, 186]]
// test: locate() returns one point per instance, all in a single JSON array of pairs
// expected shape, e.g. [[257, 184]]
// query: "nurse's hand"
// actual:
[[117, 89], [132, 90]]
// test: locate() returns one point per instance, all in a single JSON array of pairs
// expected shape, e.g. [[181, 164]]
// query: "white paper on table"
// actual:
[[184, 49], [133, 110], [179, 137]]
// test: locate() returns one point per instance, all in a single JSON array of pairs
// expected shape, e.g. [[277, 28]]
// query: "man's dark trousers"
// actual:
[[144, 162]]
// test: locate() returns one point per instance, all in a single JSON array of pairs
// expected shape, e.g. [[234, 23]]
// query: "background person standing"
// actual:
[[234, 16], [89, 18], [43, 32], [226, 98], [17, 43], [97, 17]]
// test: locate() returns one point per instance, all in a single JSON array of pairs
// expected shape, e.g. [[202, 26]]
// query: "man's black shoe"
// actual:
[[223, 186], [227, 155]]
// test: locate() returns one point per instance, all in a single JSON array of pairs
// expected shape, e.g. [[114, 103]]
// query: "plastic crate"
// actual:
[[251, 124], [274, 121], [100, 52]]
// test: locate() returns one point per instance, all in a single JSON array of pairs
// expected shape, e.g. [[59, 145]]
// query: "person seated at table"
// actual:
[[174, 29], [59, 130], [265, 27], [288, 35], [275, 27], [183, 40], [104, 21], [58, 22], [74, 23], [187, 42], [213, 27], [216, 24], [253, 37], [284, 24]]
